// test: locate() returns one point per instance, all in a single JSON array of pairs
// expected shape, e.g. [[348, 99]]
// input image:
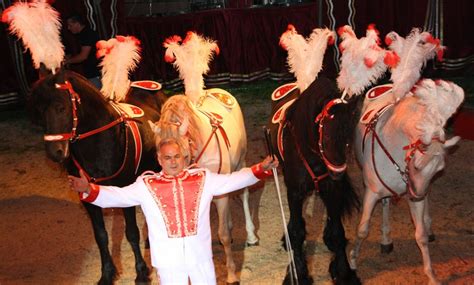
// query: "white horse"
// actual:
[[212, 122], [400, 147]]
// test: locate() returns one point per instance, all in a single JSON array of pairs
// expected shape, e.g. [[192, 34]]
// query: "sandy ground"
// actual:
[[46, 237]]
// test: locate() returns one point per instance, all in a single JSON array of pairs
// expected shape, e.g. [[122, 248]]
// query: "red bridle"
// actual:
[[320, 120], [73, 136]]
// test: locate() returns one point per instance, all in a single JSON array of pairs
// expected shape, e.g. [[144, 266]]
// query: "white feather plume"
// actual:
[[38, 25], [414, 51], [362, 60], [441, 99], [120, 56], [191, 58], [305, 56]]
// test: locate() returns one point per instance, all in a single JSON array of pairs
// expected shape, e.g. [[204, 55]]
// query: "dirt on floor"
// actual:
[[46, 236]]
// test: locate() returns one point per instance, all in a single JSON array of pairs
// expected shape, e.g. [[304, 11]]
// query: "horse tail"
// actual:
[[341, 197]]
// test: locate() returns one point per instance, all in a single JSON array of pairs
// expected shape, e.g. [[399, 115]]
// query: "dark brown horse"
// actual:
[[85, 131], [315, 133]]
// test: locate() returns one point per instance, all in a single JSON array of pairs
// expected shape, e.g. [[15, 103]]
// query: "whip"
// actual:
[[292, 269]]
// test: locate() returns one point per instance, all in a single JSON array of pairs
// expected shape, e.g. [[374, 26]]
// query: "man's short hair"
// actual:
[[179, 142]]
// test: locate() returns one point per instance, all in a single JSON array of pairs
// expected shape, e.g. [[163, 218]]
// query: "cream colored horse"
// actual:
[[217, 140]]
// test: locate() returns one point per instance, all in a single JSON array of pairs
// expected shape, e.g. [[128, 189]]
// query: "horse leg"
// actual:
[[225, 237], [101, 237], [133, 237], [386, 245], [335, 239], [427, 220], [417, 209], [252, 239], [370, 198], [297, 233]]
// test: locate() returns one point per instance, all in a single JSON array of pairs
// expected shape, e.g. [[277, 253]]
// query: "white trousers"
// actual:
[[199, 274]]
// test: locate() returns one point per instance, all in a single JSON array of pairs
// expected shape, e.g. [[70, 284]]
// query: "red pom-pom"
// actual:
[[169, 59], [372, 27], [388, 40], [217, 50], [440, 54], [391, 59], [368, 62], [5, 15], [291, 28], [341, 30], [120, 38], [100, 44], [172, 39], [331, 40]]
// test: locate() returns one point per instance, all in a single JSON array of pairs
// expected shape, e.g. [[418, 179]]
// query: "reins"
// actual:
[[73, 137]]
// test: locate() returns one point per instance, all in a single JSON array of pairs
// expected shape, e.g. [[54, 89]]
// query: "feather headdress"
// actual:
[[191, 58], [120, 56], [441, 100], [363, 61], [305, 56], [37, 24], [417, 48]]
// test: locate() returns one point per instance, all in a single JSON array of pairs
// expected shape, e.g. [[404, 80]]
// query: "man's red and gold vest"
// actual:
[[178, 198]]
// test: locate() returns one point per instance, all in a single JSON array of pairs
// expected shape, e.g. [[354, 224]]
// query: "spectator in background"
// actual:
[[87, 39]]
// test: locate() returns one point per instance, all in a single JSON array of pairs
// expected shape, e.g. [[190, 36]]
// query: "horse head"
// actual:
[[424, 161], [178, 120], [54, 103]]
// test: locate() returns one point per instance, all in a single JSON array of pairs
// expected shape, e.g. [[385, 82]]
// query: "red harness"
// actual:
[[410, 153], [320, 121], [73, 136]]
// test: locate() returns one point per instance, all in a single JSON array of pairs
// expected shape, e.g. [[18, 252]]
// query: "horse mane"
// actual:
[[424, 114], [176, 110], [311, 102]]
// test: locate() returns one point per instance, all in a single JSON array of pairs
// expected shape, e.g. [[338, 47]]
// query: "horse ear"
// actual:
[[451, 142], [154, 127], [43, 71]]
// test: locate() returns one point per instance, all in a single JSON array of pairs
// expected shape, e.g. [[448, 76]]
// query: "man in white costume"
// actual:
[[176, 203]]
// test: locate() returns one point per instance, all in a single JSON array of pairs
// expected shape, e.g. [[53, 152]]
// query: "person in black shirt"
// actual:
[[87, 39]]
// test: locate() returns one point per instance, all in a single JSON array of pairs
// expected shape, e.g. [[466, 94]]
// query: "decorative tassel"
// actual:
[[305, 56], [120, 56], [191, 58], [37, 24]]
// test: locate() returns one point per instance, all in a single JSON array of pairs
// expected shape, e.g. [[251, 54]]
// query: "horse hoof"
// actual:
[[252, 244], [431, 238], [386, 248]]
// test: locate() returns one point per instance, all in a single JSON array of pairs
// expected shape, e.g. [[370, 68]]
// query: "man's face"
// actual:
[[171, 159], [74, 27]]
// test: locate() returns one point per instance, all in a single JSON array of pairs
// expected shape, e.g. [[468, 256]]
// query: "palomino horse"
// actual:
[[312, 143], [400, 147], [86, 132], [216, 132]]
